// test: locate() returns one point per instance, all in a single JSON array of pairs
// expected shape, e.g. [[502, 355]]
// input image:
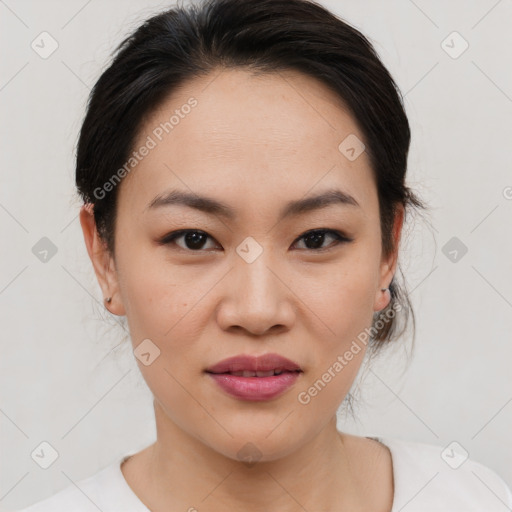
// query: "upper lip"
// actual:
[[262, 363]]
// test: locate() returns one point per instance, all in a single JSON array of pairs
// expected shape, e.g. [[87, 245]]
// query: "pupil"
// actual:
[[317, 239], [193, 240]]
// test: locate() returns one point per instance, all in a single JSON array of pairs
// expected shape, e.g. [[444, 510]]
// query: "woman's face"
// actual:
[[248, 281]]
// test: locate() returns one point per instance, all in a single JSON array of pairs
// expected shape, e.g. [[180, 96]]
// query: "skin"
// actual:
[[254, 143]]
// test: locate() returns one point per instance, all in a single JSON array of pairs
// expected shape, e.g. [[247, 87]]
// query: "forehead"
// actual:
[[251, 135]]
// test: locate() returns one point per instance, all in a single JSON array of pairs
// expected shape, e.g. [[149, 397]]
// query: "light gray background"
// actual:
[[62, 379]]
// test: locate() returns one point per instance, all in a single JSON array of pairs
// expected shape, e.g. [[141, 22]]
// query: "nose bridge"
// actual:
[[255, 282], [257, 298]]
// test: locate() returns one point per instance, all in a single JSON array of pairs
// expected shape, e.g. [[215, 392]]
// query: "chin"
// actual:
[[256, 446]]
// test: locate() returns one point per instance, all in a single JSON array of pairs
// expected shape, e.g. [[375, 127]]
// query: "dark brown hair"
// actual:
[[263, 36]]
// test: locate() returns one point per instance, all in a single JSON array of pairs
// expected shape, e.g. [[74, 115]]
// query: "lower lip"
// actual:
[[255, 388]]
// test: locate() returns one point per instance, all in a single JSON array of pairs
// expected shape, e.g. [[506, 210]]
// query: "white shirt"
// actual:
[[423, 482]]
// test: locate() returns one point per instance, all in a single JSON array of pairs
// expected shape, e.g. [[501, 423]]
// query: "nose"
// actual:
[[256, 298]]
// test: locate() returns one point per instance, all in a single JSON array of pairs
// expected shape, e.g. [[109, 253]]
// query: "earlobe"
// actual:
[[102, 260], [382, 300], [388, 266]]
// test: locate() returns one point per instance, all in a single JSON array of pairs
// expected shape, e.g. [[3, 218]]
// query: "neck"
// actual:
[[184, 472]]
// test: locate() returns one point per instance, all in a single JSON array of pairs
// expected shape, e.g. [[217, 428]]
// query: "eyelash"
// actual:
[[338, 236]]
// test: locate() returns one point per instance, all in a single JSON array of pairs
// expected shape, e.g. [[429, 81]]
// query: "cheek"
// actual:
[[155, 295], [345, 307], [345, 299]]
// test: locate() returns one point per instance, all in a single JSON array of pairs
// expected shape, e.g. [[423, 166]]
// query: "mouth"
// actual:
[[255, 378], [245, 365], [249, 373]]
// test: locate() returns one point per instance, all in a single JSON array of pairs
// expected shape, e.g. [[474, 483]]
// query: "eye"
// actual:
[[314, 239], [193, 239]]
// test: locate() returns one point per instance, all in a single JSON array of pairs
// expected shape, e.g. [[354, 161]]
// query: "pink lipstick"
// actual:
[[255, 378]]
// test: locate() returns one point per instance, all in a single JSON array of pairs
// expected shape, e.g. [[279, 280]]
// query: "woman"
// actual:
[[242, 165]]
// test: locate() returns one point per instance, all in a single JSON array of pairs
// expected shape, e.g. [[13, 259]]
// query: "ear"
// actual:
[[388, 265], [102, 260]]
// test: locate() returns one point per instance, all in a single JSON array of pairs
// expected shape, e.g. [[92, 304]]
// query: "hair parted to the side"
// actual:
[[263, 36]]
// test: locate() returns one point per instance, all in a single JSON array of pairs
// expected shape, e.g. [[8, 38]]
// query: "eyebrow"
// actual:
[[214, 207]]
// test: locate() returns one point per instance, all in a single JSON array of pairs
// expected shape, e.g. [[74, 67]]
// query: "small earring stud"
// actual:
[[108, 300]]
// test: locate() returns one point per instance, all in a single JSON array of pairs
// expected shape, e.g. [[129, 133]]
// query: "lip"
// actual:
[[255, 388], [261, 363]]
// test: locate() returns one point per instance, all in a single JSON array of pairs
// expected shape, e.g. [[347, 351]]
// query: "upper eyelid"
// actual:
[[338, 235]]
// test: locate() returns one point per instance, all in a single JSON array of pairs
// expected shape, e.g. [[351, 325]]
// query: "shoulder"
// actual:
[[433, 477], [105, 490]]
